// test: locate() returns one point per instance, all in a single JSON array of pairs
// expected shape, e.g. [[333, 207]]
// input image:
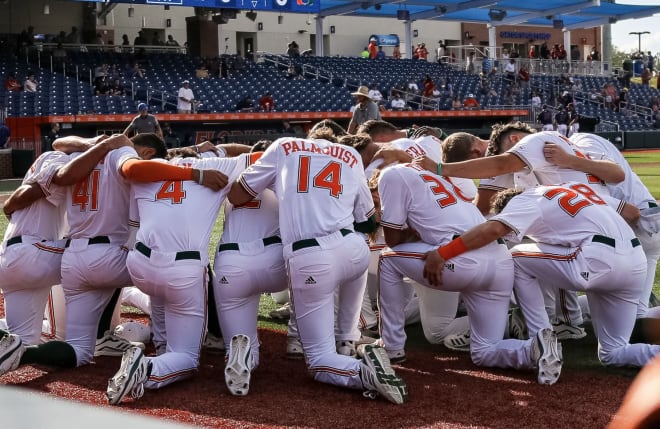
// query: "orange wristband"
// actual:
[[453, 248]]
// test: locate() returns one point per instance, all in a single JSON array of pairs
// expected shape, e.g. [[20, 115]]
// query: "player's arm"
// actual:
[[481, 168], [128, 132], [391, 155], [608, 171], [22, 197], [205, 146], [238, 195], [483, 199], [475, 238], [152, 171], [80, 167], [71, 144], [234, 149]]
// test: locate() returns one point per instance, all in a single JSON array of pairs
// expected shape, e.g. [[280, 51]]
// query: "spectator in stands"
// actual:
[[73, 36], [140, 40], [470, 102], [544, 52], [469, 63], [144, 122], [510, 70], [440, 53], [373, 49], [365, 52], [375, 94], [532, 53], [456, 103], [137, 71], [292, 49], [100, 71], [573, 120], [536, 100], [422, 52], [12, 84], [545, 119], [562, 119], [562, 54], [505, 55], [651, 62], [398, 103], [124, 40], [565, 98], [523, 76], [646, 77], [59, 53], [396, 53], [170, 137], [5, 135], [101, 86], [170, 41], [185, 98], [98, 40], [595, 55], [266, 102], [117, 88], [246, 104], [365, 109], [30, 84], [202, 70], [381, 54], [155, 39], [428, 86], [412, 86], [622, 102], [575, 53]]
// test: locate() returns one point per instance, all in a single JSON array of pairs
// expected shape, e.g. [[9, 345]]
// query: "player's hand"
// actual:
[[213, 179], [426, 163], [116, 141], [390, 156], [433, 266], [207, 146], [555, 154], [98, 139], [428, 131], [631, 214]]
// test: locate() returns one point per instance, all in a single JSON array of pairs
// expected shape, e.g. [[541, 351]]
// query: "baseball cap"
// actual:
[[142, 106], [186, 81]]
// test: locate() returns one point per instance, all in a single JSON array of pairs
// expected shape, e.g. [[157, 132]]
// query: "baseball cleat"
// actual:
[[377, 375], [282, 313], [294, 348], [346, 348], [395, 356], [565, 331], [11, 351], [112, 345], [130, 378], [239, 365], [459, 342], [546, 354]]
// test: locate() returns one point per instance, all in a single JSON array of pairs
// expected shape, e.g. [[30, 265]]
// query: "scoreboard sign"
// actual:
[[295, 6]]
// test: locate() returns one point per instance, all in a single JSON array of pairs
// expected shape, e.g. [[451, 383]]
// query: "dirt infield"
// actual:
[[446, 391]]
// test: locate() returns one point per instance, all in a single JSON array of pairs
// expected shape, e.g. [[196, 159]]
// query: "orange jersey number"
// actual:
[[171, 190], [446, 197], [574, 199], [329, 177], [86, 192]]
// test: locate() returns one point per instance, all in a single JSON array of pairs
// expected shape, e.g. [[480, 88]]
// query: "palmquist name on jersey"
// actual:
[[335, 150]]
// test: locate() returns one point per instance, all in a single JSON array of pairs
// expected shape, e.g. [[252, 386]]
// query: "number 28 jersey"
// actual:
[[320, 186]]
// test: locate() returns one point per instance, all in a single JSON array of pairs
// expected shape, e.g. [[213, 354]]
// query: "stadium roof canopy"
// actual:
[[570, 14]]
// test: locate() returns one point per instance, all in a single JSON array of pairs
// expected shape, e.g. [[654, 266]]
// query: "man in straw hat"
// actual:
[[365, 109]]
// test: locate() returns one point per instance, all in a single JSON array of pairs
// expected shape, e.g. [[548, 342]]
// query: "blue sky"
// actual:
[[628, 42]]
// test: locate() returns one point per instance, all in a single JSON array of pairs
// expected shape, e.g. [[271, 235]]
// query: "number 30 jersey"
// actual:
[[321, 186]]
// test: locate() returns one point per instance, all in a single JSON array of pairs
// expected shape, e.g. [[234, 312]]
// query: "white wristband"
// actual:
[[201, 176]]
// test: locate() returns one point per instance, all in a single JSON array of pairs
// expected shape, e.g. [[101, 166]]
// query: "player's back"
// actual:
[[320, 185], [98, 205], [44, 218], [426, 202], [254, 220]]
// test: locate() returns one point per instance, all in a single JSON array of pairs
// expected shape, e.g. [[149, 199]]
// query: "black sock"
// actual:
[[106, 317], [212, 321]]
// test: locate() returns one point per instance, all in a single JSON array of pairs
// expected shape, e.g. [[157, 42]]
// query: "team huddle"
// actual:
[[368, 232]]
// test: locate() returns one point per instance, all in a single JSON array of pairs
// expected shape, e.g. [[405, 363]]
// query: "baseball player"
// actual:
[[420, 211], [170, 264], [93, 264], [31, 253], [323, 192], [580, 242]]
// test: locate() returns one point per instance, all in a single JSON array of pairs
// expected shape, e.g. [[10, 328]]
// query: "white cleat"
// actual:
[[239, 366], [113, 345], [546, 354], [130, 378], [11, 351], [378, 376]]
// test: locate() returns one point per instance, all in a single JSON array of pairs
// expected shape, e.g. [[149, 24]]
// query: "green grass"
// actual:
[[650, 174]]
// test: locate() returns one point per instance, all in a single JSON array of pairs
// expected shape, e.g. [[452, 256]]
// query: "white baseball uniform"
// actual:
[[169, 263], [31, 253], [322, 191], [584, 245], [248, 262], [633, 191], [94, 261], [428, 203]]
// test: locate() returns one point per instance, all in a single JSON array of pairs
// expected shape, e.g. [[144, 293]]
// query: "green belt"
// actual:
[[188, 254], [310, 242], [101, 239], [234, 246], [652, 204], [612, 242], [14, 240]]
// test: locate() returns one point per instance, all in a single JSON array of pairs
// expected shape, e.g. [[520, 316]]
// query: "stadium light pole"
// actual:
[[639, 38]]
